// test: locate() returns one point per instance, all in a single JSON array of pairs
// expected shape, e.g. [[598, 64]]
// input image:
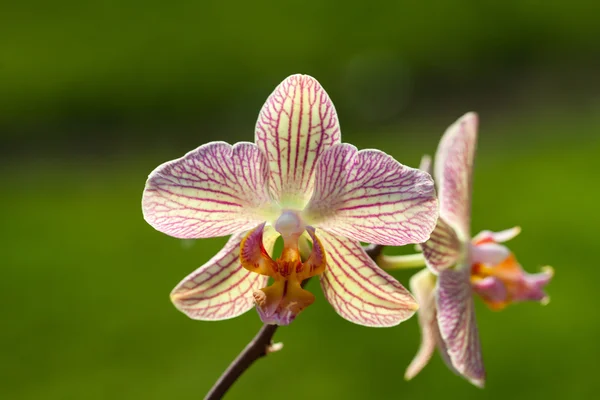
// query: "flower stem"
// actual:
[[259, 346], [401, 262]]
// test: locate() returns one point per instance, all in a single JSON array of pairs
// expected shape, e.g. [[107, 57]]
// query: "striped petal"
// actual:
[[221, 288], [215, 190], [370, 197], [453, 173], [443, 249], [358, 289], [297, 123], [458, 328], [422, 285]]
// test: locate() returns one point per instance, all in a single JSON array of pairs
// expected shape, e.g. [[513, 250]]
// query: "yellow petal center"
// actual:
[[281, 302]]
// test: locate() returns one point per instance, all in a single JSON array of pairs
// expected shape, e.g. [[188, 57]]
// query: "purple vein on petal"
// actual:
[[358, 289], [221, 288], [443, 249], [296, 124], [368, 196], [215, 190], [458, 327], [453, 173]]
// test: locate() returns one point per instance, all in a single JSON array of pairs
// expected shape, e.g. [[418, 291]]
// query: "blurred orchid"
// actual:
[[459, 266], [299, 182]]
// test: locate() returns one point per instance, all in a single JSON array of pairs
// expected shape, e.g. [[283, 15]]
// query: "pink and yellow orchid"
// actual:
[[459, 265], [299, 182]]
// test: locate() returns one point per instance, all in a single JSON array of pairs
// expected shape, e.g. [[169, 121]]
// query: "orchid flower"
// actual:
[[299, 182], [460, 266]]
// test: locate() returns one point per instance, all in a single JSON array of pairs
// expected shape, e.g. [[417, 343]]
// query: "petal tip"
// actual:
[[178, 294], [545, 301], [414, 306], [175, 296], [425, 164], [299, 79], [471, 118], [178, 298], [508, 234], [479, 382], [299, 75], [548, 270]]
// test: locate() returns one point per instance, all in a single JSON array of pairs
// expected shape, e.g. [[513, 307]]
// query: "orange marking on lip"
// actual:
[[285, 298], [509, 272]]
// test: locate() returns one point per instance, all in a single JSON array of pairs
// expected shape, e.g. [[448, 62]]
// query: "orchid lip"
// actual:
[[285, 298], [498, 278]]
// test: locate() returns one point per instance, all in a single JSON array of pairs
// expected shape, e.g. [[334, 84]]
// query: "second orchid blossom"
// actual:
[[459, 266], [299, 182]]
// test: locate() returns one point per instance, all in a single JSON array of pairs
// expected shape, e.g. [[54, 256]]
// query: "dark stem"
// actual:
[[258, 347]]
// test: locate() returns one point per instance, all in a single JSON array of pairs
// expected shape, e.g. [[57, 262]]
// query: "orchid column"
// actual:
[[299, 182]]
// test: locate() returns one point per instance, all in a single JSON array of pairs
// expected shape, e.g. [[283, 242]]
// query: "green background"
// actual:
[[94, 95]]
